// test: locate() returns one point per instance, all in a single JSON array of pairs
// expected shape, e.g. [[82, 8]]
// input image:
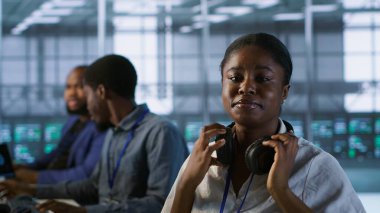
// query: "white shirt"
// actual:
[[317, 179]]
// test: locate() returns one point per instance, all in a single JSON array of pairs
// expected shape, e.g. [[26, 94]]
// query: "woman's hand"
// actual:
[[286, 147], [197, 166], [200, 159]]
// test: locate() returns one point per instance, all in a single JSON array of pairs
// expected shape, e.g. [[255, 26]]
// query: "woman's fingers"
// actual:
[[285, 138], [283, 143], [215, 162], [215, 145], [208, 132]]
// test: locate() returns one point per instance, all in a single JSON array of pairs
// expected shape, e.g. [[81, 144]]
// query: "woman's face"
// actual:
[[252, 87]]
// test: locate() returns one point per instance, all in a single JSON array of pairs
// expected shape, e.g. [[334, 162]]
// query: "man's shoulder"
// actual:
[[155, 120]]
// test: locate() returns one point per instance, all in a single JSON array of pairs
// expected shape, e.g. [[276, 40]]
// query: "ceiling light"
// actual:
[[211, 18], [212, 3], [236, 10], [197, 25], [56, 12], [261, 4], [69, 3], [288, 17], [48, 13], [324, 8], [47, 5], [185, 29], [43, 20]]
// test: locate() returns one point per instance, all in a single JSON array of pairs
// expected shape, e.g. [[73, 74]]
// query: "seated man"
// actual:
[[79, 148], [141, 157]]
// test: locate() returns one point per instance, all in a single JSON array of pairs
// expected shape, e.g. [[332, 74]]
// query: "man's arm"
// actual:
[[84, 191], [78, 172]]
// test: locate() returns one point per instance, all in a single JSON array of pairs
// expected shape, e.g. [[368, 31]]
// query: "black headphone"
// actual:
[[258, 158]]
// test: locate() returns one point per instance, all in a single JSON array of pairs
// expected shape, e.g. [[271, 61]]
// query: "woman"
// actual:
[[256, 71]]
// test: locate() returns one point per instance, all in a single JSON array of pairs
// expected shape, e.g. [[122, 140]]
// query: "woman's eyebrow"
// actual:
[[264, 67], [234, 68]]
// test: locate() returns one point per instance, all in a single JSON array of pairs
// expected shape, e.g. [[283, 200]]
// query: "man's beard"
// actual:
[[80, 111], [103, 126]]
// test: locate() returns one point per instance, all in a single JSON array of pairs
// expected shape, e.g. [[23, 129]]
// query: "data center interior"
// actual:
[[176, 47]]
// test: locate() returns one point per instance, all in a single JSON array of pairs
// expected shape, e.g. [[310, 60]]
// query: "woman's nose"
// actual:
[[247, 87]]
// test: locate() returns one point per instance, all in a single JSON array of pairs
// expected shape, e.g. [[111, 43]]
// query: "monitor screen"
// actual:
[[27, 133], [340, 126], [5, 133], [6, 169], [52, 132], [49, 147], [25, 153], [340, 148], [322, 128], [360, 146], [377, 126], [377, 146], [192, 130], [360, 126]]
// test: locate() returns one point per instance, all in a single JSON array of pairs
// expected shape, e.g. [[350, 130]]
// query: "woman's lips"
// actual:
[[246, 104]]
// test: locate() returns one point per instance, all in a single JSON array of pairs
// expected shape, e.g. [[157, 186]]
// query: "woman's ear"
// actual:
[[285, 92]]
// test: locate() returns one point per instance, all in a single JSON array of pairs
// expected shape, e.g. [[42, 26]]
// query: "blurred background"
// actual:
[[177, 45]]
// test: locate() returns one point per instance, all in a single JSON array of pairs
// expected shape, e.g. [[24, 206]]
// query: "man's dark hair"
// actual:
[[268, 42], [115, 72]]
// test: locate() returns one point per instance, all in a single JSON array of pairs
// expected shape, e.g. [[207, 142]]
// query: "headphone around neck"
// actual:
[[258, 158]]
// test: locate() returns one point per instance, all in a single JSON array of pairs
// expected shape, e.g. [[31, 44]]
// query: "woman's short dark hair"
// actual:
[[268, 42], [115, 72]]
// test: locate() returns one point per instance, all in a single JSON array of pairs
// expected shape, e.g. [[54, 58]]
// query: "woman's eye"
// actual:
[[263, 79], [235, 78]]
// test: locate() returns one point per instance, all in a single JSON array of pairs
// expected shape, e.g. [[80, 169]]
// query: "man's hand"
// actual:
[[58, 207], [19, 166], [27, 175], [11, 188]]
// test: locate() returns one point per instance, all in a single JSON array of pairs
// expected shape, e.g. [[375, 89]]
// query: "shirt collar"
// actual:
[[127, 122], [282, 127]]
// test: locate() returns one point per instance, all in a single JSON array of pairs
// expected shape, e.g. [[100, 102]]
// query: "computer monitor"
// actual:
[[49, 147], [6, 168], [340, 126], [340, 148], [5, 133], [52, 132], [191, 133], [360, 147], [192, 130], [25, 153], [360, 125], [27, 133], [376, 149], [377, 126], [322, 128]]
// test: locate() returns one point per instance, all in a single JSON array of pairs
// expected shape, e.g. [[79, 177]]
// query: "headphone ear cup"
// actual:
[[225, 154], [259, 158]]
